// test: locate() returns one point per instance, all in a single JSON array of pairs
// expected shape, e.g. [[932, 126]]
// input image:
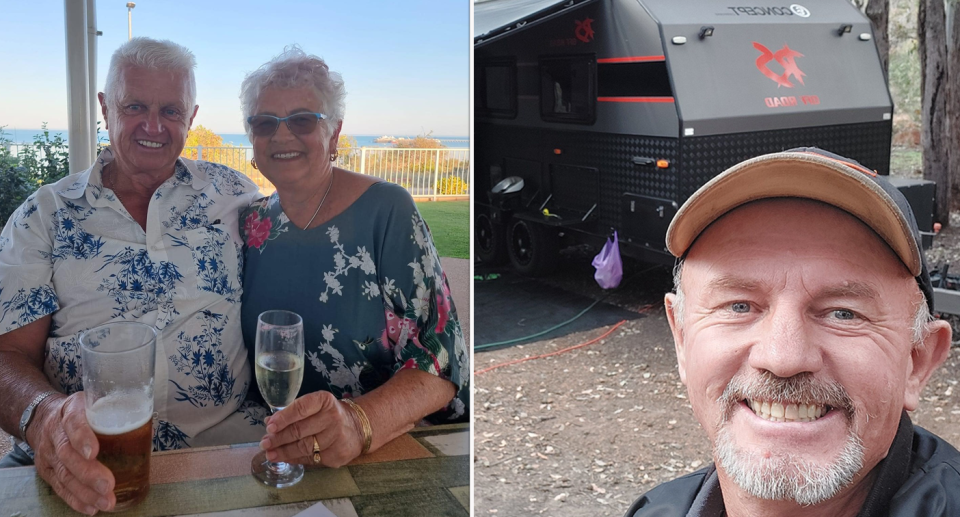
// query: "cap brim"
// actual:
[[798, 175]]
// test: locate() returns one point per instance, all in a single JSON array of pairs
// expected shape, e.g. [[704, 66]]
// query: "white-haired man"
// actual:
[[802, 326], [142, 235]]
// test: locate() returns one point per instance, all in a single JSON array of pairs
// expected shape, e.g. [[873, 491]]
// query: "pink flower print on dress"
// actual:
[[257, 230], [443, 307], [392, 331], [409, 331], [409, 365]]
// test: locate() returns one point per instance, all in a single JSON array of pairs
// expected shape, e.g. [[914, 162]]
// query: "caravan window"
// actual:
[[567, 89], [633, 80], [496, 89]]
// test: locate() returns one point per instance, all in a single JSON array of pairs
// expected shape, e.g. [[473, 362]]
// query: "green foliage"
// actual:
[[47, 159], [347, 141], [450, 185], [15, 183], [200, 136], [420, 142], [44, 161]]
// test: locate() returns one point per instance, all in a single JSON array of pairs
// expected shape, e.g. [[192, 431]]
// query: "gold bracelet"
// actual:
[[364, 424]]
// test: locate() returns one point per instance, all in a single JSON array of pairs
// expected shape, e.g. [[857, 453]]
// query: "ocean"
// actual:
[[26, 136]]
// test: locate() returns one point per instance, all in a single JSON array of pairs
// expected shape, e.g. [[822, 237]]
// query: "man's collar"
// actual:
[[892, 472], [709, 500], [185, 172]]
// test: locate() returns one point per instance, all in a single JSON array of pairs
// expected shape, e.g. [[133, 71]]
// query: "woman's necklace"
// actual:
[[324, 198]]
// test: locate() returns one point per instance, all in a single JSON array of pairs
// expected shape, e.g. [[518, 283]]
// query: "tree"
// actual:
[[203, 136], [933, 127], [877, 11], [347, 141], [200, 136], [420, 142], [953, 97]]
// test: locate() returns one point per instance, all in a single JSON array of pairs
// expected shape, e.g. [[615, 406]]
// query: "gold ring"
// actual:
[[316, 451]]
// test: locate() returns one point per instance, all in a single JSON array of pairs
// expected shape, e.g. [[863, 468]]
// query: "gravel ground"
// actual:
[[587, 431]]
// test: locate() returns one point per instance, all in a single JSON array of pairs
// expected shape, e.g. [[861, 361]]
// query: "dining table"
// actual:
[[425, 472]]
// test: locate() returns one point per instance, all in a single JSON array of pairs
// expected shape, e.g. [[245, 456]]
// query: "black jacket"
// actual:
[[919, 477]]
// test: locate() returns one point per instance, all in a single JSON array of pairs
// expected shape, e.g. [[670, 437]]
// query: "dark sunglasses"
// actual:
[[298, 123]]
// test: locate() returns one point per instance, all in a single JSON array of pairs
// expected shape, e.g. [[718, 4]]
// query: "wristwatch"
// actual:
[[28, 413]]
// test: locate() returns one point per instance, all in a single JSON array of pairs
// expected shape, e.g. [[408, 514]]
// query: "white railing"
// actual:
[[16, 149], [425, 173]]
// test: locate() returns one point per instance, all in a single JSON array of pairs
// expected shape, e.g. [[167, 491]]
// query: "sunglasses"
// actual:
[[298, 123]]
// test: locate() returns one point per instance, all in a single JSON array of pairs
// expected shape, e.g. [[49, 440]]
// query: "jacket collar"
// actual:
[[892, 471]]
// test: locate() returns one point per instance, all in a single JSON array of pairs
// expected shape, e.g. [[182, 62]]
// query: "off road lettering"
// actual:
[[779, 102], [563, 42]]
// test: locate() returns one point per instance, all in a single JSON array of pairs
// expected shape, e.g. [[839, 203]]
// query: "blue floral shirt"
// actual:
[[73, 251]]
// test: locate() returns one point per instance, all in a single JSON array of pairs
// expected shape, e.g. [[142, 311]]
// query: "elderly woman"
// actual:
[[351, 255]]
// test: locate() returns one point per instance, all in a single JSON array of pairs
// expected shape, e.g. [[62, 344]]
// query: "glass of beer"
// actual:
[[118, 367], [279, 369]]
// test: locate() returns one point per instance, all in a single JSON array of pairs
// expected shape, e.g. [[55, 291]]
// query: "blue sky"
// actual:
[[405, 64]]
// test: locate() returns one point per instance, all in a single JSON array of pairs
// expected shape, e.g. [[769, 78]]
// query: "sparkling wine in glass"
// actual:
[[279, 370]]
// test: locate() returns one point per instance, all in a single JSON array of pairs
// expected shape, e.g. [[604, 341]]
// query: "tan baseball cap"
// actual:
[[808, 173]]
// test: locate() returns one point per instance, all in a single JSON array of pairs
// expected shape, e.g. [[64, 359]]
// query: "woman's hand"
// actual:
[[290, 433]]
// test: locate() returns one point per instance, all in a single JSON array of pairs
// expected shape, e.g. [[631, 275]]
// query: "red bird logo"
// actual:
[[584, 31], [787, 59]]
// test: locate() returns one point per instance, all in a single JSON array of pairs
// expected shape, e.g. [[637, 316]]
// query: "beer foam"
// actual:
[[120, 412]]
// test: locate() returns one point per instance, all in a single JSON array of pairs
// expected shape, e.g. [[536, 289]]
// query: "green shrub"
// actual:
[[47, 159], [44, 161], [452, 186], [15, 183]]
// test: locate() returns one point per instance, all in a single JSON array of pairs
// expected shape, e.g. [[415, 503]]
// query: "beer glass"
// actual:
[[278, 355], [118, 366]]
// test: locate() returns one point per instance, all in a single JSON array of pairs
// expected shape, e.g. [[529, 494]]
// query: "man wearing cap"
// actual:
[[803, 332]]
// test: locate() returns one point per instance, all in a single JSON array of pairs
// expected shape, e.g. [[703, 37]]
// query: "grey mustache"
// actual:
[[802, 388]]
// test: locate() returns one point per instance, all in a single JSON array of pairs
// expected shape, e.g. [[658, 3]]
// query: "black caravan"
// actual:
[[613, 112]]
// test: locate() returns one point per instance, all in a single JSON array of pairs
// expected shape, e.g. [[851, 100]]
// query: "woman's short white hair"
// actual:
[[294, 68], [155, 54]]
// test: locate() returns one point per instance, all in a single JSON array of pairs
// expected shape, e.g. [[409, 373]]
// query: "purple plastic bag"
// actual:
[[608, 264]]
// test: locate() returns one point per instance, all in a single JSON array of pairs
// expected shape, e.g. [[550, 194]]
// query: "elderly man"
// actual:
[[803, 334], [142, 235]]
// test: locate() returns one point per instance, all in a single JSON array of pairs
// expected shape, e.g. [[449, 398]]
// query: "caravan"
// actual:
[[595, 116]]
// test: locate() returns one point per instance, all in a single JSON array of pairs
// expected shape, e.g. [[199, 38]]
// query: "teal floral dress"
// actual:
[[371, 291]]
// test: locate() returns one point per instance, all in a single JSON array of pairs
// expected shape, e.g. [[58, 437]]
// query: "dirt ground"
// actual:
[[588, 431]]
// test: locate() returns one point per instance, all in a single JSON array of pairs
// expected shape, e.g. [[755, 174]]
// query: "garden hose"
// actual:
[[555, 327]]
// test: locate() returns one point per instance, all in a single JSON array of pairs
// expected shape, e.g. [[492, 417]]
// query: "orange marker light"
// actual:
[[557, 151], [662, 164]]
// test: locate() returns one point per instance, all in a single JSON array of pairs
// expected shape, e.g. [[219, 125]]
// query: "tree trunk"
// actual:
[[953, 98], [933, 60], [878, 12]]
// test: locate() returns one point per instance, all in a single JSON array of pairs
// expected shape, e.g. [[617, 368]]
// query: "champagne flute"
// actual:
[[279, 370]]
